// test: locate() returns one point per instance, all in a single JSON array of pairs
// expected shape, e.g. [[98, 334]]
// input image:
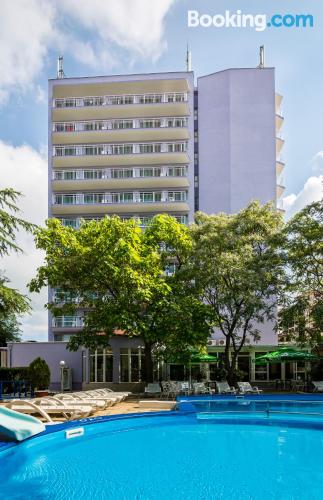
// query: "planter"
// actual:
[[41, 393]]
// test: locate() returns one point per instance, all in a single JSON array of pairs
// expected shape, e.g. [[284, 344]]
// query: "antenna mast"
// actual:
[[261, 57], [188, 59], [60, 70]]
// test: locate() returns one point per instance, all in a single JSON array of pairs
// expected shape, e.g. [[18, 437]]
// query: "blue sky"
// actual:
[[122, 36]]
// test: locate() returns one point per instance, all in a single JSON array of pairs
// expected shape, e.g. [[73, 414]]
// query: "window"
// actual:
[[122, 124], [122, 197], [177, 171], [91, 198], [150, 98], [121, 173], [176, 147], [122, 149], [177, 196], [150, 197], [149, 123], [93, 174], [150, 148], [132, 364], [64, 199], [176, 122], [149, 172], [101, 365], [128, 99], [93, 101]]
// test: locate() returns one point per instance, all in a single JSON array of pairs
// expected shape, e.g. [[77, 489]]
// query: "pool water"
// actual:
[[168, 457]]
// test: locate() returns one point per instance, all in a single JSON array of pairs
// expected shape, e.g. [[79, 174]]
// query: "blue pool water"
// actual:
[[165, 457]]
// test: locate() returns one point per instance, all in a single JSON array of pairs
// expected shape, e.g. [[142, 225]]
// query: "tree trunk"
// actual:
[[149, 367], [230, 364]]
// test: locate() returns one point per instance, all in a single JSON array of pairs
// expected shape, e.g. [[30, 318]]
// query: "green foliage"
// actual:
[[12, 304], [117, 272], [301, 313], [9, 222], [238, 270], [15, 374], [39, 374]]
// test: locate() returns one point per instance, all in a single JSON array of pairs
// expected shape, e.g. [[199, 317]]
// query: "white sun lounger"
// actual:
[[224, 388], [245, 388], [318, 386], [97, 403], [49, 409]]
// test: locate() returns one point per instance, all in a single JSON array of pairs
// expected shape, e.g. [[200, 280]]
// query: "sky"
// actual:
[[103, 37]]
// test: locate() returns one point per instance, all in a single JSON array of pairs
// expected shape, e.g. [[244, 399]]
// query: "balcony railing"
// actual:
[[110, 125], [122, 197], [76, 223], [119, 173], [120, 149], [68, 322], [117, 100]]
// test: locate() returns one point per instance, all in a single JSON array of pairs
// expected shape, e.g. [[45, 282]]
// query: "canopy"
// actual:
[[285, 354], [197, 358]]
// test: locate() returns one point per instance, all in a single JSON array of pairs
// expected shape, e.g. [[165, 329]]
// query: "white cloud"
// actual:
[[29, 29], [40, 95], [311, 191], [25, 170], [136, 25], [26, 29], [317, 163]]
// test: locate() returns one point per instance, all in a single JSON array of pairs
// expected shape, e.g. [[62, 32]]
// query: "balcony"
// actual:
[[279, 145], [278, 101], [68, 322], [120, 154], [135, 178], [76, 223], [120, 106], [280, 165], [149, 129], [279, 122], [122, 202], [279, 191]]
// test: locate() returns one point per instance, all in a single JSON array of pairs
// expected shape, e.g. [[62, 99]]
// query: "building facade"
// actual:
[[138, 145]]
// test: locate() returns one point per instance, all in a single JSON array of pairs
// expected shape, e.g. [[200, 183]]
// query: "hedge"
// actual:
[[16, 373]]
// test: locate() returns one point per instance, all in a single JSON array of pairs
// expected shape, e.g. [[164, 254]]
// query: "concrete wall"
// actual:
[[237, 148], [23, 353]]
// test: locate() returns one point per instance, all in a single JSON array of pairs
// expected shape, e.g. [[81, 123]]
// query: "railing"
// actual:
[[122, 197], [120, 149], [11, 389], [68, 322], [76, 222], [113, 100], [110, 125], [119, 173]]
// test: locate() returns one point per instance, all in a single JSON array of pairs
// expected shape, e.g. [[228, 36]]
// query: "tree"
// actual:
[[238, 270], [12, 303], [9, 222], [116, 273], [301, 313]]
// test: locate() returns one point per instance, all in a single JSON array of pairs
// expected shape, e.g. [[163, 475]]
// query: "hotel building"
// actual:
[[138, 145]]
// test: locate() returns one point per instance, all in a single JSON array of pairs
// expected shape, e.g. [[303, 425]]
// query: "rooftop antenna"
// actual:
[[60, 70], [188, 59], [261, 57]]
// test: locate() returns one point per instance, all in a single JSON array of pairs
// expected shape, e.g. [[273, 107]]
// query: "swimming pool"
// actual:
[[175, 455]]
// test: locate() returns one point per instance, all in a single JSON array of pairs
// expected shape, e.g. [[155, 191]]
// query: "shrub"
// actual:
[[39, 374], [14, 374]]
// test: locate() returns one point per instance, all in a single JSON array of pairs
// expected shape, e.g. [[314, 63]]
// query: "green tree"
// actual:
[[301, 313], [117, 273], [12, 302], [39, 374], [238, 270]]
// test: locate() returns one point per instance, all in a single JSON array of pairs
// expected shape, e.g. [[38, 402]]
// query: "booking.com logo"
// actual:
[[239, 20]]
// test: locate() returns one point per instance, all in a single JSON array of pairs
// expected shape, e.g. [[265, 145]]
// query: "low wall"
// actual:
[[23, 353]]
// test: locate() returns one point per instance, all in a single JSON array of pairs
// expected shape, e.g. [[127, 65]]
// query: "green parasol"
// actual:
[[197, 358], [286, 354]]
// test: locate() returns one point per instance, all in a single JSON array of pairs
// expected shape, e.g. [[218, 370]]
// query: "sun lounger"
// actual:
[[49, 409], [224, 388], [97, 403], [245, 388], [153, 388], [318, 386]]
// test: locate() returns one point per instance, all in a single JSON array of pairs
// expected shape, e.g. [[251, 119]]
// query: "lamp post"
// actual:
[[62, 365]]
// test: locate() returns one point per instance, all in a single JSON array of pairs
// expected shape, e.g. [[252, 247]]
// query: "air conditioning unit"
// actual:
[[247, 341], [220, 342], [211, 342]]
